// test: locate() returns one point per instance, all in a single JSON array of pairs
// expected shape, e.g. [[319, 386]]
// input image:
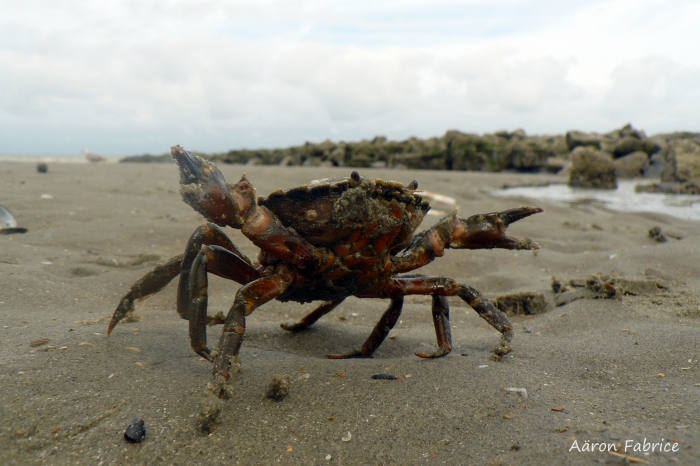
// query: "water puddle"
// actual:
[[623, 199]]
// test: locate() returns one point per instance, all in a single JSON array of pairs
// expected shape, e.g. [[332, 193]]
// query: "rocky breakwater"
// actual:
[[586, 157]]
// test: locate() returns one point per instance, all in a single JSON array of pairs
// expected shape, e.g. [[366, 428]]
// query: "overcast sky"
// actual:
[[123, 77]]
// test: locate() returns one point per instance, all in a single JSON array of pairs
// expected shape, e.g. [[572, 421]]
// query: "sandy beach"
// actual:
[[612, 371]]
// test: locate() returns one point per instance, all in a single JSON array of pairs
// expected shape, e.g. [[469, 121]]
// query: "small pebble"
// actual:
[[39, 342], [346, 438], [132, 349], [660, 375], [136, 431], [521, 391], [41, 167]]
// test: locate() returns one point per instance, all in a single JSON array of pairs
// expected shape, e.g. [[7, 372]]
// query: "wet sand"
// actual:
[[603, 370]]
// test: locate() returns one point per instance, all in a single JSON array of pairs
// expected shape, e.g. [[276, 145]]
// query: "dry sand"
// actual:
[[598, 362]]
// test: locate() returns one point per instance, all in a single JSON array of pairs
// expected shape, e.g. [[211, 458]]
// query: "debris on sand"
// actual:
[[8, 224], [599, 286], [42, 167], [279, 387], [658, 235], [214, 398], [386, 377], [521, 304], [520, 391]]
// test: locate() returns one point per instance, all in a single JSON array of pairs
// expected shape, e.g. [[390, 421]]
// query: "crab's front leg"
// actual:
[[204, 188], [482, 231]]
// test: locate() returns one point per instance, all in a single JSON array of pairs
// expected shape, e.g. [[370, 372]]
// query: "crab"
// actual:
[[325, 241]]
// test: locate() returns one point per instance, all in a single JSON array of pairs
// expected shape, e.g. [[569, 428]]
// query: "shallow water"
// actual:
[[622, 199]]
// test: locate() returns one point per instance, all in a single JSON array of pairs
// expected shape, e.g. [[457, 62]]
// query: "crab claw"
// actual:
[[204, 188], [486, 231]]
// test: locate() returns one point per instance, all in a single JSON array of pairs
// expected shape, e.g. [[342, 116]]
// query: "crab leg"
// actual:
[[442, 286], [221, 262], [313, 316], [378, 335], [482, 231], [210, 235], [441, 319], [149, 284], [248, 298]]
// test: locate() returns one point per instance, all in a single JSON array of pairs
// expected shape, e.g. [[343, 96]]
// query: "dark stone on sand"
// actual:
[[657, 235], [136, 431], [384, 377], [42, 167]]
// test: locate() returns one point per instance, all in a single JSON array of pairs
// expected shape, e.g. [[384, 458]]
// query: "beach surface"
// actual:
[[620, 371]]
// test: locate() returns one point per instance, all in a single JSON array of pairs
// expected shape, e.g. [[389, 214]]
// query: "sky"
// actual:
[[126, 77]]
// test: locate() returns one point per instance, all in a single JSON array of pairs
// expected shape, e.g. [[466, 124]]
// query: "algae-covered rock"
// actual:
[[682, 161], [592, 169], [631, 165]]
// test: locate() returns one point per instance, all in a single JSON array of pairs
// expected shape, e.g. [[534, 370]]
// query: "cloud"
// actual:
[[135, 76]]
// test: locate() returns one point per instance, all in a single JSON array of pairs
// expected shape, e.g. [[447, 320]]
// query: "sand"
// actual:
[[614, 371]]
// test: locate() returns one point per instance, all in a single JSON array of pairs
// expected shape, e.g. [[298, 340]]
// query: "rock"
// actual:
[[42, 167], [526, 155], [689, 187], [575, 139], [627, 145], [682, 161], [359, 160], [556, 164], [592, 169], [631, 165]]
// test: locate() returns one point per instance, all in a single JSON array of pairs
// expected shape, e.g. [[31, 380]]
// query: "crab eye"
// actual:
[[413, 185], [355, 176]]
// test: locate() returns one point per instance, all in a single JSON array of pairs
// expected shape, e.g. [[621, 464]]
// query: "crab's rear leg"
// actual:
[[441, 319], [313, 316], [378, 335], [151, 283], [442, 286]]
